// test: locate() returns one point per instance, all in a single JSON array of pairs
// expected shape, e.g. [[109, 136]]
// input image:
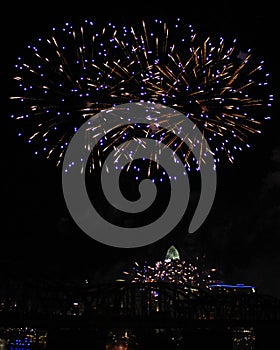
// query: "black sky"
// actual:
[[241, 234]]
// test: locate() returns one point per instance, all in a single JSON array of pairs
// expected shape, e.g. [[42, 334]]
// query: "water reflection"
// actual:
[[243, 338]]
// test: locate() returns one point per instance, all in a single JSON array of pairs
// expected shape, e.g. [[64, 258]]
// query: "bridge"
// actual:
[[167, 304], [147, 306]]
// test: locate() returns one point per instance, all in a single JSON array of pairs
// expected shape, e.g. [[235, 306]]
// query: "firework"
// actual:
[[192, 273], [69, 75]]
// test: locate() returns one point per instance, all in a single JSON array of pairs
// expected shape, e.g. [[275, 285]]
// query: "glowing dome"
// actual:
[[172, 253]]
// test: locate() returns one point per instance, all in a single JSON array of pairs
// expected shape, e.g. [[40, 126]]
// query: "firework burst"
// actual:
[[76, 71], [191, 273]]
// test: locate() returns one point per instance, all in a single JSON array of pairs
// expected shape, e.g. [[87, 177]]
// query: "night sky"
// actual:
[[241, 235]]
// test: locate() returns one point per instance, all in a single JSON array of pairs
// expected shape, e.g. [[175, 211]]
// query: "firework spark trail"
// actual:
[[185, 273], [77, 71]]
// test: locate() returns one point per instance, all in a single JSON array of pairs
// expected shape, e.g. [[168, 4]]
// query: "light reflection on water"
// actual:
[[243, 338]]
